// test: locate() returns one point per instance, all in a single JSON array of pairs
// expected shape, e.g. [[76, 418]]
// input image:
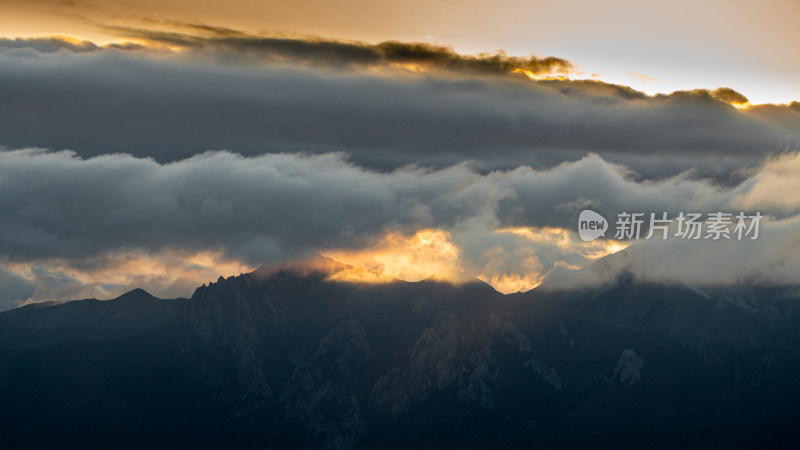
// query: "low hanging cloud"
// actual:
[[775, 186], [67, 219], [773, 258]]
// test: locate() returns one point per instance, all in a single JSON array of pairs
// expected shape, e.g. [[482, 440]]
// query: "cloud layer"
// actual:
[[253, 95], [203, 151], [74, 216]]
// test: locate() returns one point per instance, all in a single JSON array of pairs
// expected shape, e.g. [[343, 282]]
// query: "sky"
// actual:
[[652, 46], [160, 145]]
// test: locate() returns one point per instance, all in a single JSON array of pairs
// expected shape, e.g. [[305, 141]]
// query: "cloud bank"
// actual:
[[387, 105], [70, 218]]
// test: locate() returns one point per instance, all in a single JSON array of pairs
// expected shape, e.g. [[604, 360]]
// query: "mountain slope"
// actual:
[[37, 325], [286, 359]]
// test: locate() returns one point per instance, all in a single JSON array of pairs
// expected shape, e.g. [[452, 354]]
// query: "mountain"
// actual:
[[286, 359], [39, 324]]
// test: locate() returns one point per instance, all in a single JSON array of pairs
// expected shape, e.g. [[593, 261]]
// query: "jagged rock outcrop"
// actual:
[[629, 367]]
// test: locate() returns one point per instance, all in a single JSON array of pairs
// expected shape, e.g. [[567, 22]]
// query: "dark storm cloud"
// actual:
[[729, 95], [57, 205], [317, 51], [723, 94], [50, 44], [172, 106]]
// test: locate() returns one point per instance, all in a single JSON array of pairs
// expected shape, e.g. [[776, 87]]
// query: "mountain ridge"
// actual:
[[126, 315], [288, 359]]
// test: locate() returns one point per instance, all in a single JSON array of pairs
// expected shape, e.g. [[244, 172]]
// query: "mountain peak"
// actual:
[[137, 293]]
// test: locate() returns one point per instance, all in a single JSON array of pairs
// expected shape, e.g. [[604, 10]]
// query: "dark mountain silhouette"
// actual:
[[285, 359], [38, 324]]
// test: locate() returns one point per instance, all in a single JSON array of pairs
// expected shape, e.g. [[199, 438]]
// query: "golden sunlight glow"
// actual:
[[411, 67], [397, 256], [524, 273], [539, 77], [166, 274], [353, 274], [512, 283], [566, 241], [432, 253], [74, 40]]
